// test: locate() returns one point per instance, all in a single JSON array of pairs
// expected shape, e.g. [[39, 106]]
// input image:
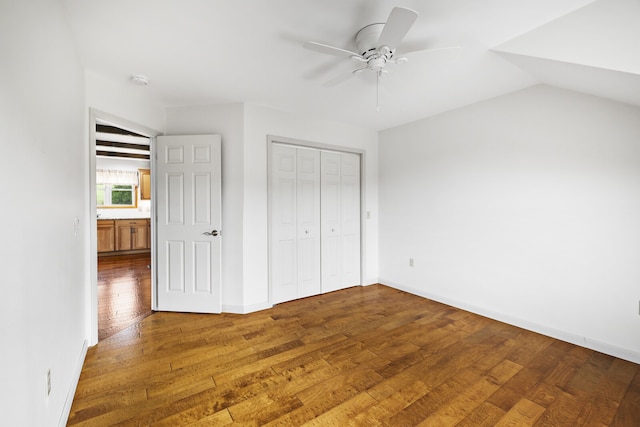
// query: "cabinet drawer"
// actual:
[[131, 222]]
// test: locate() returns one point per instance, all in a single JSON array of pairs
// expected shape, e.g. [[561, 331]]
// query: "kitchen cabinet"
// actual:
[[132, 234], [106, 235], [145, 184]]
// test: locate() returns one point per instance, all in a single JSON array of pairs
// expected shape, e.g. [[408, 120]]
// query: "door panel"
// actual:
[[189, 197], [350, 213], [283, 224], [202, 198], [330, 214], [308, 230], [295, 223]]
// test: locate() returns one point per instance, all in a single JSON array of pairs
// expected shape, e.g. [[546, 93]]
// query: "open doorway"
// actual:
[[122, 205]]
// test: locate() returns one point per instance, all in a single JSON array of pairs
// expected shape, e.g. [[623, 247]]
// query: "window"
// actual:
[[116, 195], [116, 188]]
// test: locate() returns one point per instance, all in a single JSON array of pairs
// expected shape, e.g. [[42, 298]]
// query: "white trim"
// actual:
[[569, 337], [273, 139], [96, 116], [66, 409], [246, 309]]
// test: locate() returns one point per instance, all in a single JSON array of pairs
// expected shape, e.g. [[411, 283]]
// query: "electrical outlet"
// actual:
[[410, 262], [48, 382]]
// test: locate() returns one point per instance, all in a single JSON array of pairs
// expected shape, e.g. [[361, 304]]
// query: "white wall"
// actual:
[[226, 120], [524, 208], [262, 121], [123, 99], [244, 130], [44, 170]]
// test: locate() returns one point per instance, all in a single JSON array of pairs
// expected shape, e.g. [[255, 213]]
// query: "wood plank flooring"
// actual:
[[363, 356], [124, 292]]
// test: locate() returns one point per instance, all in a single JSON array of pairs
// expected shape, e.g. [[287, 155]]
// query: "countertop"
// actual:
[[112, 218]]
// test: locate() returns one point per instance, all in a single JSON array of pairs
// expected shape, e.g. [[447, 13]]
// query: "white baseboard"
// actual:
[[66, 410], [569, 337], [245, 309]]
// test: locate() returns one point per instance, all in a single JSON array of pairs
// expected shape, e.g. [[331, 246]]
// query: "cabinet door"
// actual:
[[106, 236], [123, 236], [145, 184], [139, 236]]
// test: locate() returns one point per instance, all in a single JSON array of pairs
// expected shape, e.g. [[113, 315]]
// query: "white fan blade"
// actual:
[[337, 80], [435, 49], [329, 50], [397, 26], [343, 78]]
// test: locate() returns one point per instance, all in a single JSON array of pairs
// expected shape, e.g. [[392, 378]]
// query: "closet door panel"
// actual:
[[315, 222], [350, 214], [330, 184], [284, 248], [308, 222]]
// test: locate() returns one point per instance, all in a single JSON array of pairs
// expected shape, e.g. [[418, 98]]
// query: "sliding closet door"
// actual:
[[331, 217], [284, 258], [340, 213], [350, 207], [308, 206], [314, 221], [295, 223]]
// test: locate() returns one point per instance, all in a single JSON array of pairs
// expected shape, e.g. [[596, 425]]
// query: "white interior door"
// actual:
[[188, 182]]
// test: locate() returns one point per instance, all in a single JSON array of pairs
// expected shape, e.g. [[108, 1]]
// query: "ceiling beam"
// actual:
[[116, 130], [122, 145], [124, 155]]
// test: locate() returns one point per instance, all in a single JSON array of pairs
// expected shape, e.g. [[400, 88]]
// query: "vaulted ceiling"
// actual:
[[198, 52]]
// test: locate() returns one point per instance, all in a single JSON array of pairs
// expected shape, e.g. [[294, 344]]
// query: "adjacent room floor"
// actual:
[[360, 356], [124, 292]]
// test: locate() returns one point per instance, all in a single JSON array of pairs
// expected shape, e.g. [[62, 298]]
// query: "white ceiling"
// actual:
[[219, 51]]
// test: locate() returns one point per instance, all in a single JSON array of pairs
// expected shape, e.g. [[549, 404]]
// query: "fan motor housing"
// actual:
[[367, 41]]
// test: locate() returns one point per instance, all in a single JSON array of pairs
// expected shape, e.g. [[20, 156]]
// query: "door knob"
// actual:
[[211, 233]]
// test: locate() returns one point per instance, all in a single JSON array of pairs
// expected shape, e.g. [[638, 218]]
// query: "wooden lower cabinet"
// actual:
[[131, 234], [106, 236], [123, 235]]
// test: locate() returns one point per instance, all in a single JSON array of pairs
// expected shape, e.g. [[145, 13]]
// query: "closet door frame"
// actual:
[[273, 139]]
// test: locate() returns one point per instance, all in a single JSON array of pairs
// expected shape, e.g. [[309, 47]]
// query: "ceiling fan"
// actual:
[[376, 44]]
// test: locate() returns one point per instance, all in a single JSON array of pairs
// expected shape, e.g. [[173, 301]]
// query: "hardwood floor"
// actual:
[[361, 356], [124, 292]]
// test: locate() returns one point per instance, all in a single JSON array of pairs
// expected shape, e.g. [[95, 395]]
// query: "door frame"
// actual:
[[92, 296], [273, 139]]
